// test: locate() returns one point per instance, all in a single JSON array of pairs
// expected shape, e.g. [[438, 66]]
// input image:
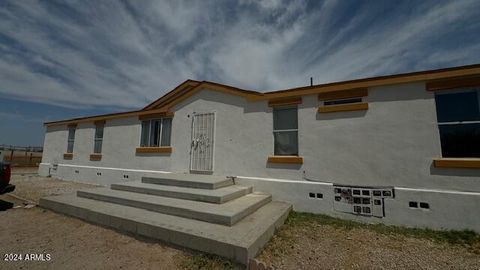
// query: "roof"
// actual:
[[190, 87]]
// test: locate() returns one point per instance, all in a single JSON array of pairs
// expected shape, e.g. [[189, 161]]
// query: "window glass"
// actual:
[[145, 133], [155, 133], [99, 131], [457, 107], [460, 140], [70, 147], [97, 146], [342, 101], [286, 143], [71, 139], [71, 133], [285, 118], [166, 131]]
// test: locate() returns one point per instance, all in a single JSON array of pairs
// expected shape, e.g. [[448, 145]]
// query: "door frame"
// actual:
[[214, 133]]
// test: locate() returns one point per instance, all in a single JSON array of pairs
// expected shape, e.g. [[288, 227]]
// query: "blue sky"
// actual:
[[63, 59]]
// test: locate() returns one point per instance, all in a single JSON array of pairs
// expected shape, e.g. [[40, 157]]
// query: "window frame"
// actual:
[[98, 139], [159, 140], [71, 139], [276, 108], [453, 123]]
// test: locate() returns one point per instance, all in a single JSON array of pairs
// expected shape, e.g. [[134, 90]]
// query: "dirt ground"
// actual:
[[75, 244], [312, 245], [71, 243]]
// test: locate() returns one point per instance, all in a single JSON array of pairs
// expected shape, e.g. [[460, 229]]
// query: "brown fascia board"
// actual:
[[169, 98], [378, 81], [93, 118], [172, 92]]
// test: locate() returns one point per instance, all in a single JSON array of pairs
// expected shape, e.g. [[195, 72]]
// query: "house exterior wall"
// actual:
[[393, 143]]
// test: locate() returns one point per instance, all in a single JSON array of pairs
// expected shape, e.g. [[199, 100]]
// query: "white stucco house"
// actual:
[[401, 149]]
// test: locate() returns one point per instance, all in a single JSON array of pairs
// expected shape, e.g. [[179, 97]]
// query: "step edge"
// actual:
[[251, 209], [219, 199], [187, 183], [160, 208], [164, 193]]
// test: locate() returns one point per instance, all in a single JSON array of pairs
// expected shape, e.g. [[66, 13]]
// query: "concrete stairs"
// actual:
[[201, 212]]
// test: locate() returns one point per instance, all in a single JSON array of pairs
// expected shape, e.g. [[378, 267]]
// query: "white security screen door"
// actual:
[[202, 146]]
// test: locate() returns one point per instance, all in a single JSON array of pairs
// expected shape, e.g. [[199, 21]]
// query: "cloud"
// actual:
[[123, 54]]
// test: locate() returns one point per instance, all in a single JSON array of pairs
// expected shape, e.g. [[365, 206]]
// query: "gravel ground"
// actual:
[[317, 246]]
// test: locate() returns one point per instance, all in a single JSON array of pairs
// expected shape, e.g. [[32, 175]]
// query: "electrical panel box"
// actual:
[[365, 201]]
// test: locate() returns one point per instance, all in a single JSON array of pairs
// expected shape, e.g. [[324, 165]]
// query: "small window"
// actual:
[[71, 138], [424, 205], [366, 192], [356, 192], [458, 117], [98, 139], [413, 204], [365, 200], [285, 131], [156, 132], [342, 101], [311, 195], [377, 193], [319, 196]]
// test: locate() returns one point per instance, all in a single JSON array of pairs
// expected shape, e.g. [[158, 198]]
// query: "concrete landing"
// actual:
[[227, 213], [220, 195]]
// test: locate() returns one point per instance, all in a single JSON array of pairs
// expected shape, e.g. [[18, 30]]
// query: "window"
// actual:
[[342, 101], [97, 147], [71, 139], [156, 132], [285, 131], [458, 116]]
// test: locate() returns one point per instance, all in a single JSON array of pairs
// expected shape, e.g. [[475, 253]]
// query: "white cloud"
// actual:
[[125, 55]]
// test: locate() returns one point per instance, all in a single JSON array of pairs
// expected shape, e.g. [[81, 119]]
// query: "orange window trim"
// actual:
[[100, 122], [453, 83], [353, 93], [468, 163], [285, 101], [285, 159], [161, 149], [96, 157], [343, 107], [155, 116]]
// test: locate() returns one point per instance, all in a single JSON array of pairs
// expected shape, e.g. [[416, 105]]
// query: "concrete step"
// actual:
[[227, 213], [239, 242], [190, 180], [220, 195]]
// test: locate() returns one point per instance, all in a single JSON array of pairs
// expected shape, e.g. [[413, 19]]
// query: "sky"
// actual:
[[65, 59]]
